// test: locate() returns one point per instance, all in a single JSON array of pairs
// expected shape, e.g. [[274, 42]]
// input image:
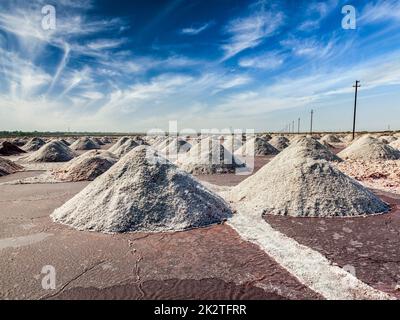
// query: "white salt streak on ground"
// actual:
[[307, 265], [23, 241]]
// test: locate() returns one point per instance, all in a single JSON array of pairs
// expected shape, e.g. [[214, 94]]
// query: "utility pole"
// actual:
[[311, 122], [357, 85], [298, 126]]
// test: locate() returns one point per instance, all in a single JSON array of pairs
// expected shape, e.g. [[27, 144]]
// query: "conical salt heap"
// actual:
[[34, 144], [10, 149], [176, 146], [232, 142], [296, 185], [125, 148], [54, 151], [143, 192], [311, 148], [330, 139], [119, 143], [369, 149], [98, 141], [86, 167], [84, 143], [209, 157], [387, 139], [395, 144], [257, 147], [279, 142], [8, 167]]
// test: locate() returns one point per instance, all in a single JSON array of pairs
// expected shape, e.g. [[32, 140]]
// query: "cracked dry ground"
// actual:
[[209, 263]]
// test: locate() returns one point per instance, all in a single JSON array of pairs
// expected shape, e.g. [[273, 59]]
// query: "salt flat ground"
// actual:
[[209, 263]]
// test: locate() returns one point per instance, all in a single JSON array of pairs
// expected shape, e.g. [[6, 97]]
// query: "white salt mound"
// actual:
[[232, 142], [8, 167], [209, 157], [330, 138], [311, 148], [304, 187], [176, 146], [279, 142], [143, 192], [54, 151], [84, 143], [395, 144], [257, 147], [119, 143], [387, 139], [369, 149], [86, 167], [125, 148], [34, 144]]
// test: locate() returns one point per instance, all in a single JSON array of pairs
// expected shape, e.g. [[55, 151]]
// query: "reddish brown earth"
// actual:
[[370, 244], [209, 263]]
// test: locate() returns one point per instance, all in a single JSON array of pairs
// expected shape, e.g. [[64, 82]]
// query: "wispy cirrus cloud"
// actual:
[[316, 12], [379, 11], [250, 31], [195, 30], [267, 60]]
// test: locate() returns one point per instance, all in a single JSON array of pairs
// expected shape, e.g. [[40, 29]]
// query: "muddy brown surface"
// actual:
[[174, 289], [370, 245], [209, 263]]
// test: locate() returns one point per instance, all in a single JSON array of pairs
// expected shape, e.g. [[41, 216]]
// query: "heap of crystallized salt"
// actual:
[[143, 192]]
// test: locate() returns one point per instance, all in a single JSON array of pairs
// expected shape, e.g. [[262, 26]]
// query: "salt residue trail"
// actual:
[[310, 267]]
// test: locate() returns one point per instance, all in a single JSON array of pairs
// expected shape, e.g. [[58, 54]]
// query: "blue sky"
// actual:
[[134, 65]]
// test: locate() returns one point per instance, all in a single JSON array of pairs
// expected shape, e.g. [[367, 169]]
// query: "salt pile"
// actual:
[[10, 149], [257, 147], [19, 142], [387, 139], [84, 143], [8, 167], [65, 142], [34, 144], [232, 142], [296, 185], [54, 151], [87, 166], [105, 140], [119, 143], [330, 139], [279, 142], [371, 149], [143, 192], [209, 157], [311, 148], [266, 136], [395, 144], [97, 141], [123, 149], [176, 146]]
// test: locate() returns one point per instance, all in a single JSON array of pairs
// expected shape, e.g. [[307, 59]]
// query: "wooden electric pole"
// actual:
[[357, 85], [311, 122]]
